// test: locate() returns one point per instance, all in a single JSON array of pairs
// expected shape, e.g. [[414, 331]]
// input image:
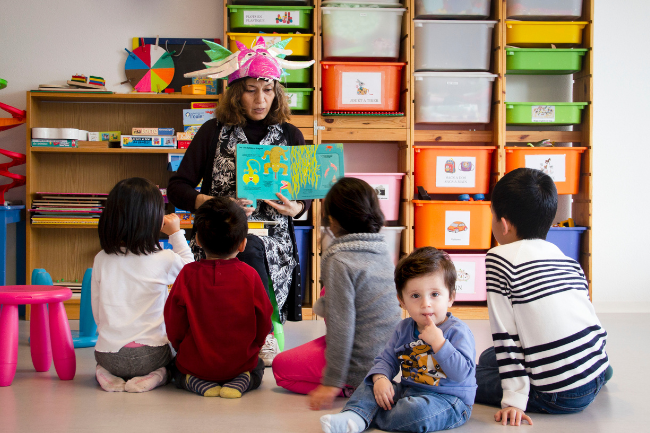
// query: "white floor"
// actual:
[[40, 402]]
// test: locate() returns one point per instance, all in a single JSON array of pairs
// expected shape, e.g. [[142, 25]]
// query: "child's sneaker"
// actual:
[[269, 350]]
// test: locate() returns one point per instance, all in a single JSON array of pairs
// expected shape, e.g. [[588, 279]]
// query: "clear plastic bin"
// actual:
[[474, 9], [453, 97], [361, 33], [544, 10], [453, 45]]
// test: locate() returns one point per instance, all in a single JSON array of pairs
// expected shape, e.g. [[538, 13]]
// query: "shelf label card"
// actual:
[[456, 172], [457, 225], [383, 191], [543, 113], [553, 165], [361, 88], [465, 277], [272, 18]]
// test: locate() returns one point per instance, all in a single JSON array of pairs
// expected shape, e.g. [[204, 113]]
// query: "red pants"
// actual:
[[300, 370]]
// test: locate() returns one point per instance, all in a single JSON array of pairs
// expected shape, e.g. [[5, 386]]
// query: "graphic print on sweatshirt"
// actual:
[[418, 364]]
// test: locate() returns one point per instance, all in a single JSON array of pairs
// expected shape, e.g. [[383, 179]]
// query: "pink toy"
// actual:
[[50, 338]]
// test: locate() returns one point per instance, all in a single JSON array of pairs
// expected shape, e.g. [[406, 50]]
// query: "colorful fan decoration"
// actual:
[[149, 68]]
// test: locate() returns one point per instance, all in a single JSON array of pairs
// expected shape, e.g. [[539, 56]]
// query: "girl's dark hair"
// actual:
[[423, 261], [354, 205], [528, 199], [230, 110], [132, 218], [221, 226]]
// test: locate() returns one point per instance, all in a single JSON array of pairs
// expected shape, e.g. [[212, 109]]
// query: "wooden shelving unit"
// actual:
[[66, 251]]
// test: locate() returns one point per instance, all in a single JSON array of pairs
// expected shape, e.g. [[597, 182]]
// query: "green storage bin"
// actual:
[[544, 61], [544, 113], [297, 76], [299, 99], [246, 17]]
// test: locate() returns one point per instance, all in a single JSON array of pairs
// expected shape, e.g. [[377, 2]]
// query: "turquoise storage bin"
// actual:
[[278, 18]]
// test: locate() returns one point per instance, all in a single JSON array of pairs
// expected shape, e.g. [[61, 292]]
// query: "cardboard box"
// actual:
[[198, 116], [36, 142], [153, 131], [148, 141], [209, 83], [204, 104], [104, 136]]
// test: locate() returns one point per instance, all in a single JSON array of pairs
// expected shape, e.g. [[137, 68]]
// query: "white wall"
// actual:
[[621, 280], [47, 42]]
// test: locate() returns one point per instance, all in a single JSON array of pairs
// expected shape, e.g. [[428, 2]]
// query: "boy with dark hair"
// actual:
[[434, 350], [549, 347], [218, 314]]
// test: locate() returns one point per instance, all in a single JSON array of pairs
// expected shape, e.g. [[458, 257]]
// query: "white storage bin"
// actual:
[[453, 97], [392, 236], [472, 9], [453, 45], [544, 10], [362, 33]]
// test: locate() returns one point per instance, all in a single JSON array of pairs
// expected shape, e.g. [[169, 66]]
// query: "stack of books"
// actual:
[[67, 208]]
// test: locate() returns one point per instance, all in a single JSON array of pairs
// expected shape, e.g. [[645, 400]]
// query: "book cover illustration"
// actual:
[[297, 172]]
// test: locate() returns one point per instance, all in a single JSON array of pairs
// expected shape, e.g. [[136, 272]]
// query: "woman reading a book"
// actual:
[[255, 110]]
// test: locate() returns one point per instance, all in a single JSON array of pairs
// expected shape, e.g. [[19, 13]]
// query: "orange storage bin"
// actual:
[[561, 163], [453, 225], [367, 86], [453, 169]]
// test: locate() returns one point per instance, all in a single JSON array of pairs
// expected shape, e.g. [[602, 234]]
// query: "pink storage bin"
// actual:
[[470, 279], [389, 190]]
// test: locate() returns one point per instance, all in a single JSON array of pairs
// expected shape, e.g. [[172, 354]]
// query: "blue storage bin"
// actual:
[[567, 240], [303, 240]]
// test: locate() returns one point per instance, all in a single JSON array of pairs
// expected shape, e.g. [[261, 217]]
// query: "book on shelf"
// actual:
[[67, 208]]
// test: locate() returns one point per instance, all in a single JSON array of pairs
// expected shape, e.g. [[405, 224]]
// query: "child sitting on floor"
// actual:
[[359, 307], [434, 350], [129, 287], [218, 314], [549, 348]]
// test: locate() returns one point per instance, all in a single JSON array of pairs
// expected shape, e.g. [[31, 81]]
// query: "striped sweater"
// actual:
[[545, 330]]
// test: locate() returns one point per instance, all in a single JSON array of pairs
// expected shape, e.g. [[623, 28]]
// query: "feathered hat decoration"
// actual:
[[259, 61]]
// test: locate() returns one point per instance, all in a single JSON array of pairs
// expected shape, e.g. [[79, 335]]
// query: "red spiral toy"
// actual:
[[18, 118]]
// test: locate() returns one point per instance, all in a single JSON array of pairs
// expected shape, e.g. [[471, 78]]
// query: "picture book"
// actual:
[[297, 172]]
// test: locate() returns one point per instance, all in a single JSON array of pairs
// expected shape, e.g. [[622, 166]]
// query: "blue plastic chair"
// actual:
[[87, 334]]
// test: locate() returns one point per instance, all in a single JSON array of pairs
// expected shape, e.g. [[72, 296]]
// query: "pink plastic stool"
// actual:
[[42, 330]]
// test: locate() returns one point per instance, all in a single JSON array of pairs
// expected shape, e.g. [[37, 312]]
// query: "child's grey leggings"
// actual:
[[134, 361]]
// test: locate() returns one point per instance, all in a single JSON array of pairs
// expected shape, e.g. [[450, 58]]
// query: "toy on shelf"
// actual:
[[89, 83], [475, 197], [542, 143], [149, 68], [565, 223]]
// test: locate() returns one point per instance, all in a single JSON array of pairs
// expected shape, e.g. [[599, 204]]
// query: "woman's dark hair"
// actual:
[[354, 205], [230, 110], [132, 218], [527, 198], [424, 261], [221, 226]]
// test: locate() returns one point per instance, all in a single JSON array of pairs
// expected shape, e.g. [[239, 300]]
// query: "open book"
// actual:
[[297, 172]]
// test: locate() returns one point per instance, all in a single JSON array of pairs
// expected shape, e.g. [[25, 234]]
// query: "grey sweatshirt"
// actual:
[[360, 306]]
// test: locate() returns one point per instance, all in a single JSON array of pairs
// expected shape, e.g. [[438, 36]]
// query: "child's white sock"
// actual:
[[107, 381], [148, 382], [344, 422]]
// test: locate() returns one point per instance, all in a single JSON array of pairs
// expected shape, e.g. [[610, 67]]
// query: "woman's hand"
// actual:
[[245, 204], [323, 397], [383, 390], [288, 207], [171, 224]]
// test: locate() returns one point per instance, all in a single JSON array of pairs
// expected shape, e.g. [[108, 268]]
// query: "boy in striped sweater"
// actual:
[[549, 347]]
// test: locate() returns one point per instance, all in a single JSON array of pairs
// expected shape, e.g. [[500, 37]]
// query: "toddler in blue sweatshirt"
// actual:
[[434, 351]]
